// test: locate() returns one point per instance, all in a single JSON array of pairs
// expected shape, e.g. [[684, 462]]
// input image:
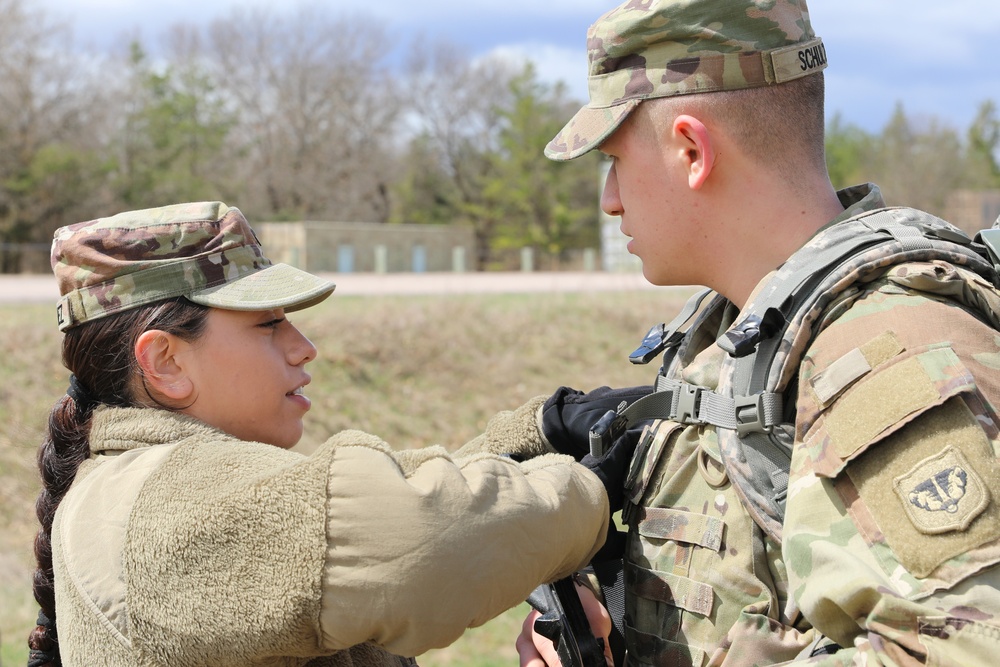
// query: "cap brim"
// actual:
[[588, 129], [277, 286]]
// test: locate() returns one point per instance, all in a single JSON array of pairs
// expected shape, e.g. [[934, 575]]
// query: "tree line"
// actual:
[[305, 115]]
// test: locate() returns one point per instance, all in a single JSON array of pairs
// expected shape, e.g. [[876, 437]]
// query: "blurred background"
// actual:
[[399, 136], [430, 114]]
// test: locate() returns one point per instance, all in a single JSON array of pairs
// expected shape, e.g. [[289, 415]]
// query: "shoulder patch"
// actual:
[[942, 493], [928, 487]]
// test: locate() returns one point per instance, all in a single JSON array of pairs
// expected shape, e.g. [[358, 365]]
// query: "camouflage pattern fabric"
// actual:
[[205, 251], [659, 48], [853, 223], [891, 538]]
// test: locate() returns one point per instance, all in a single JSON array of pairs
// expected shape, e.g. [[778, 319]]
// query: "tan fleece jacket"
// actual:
[[180, 545]]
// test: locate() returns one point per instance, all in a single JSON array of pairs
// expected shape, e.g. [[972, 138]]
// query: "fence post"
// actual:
[[458, 259], [527, 259]]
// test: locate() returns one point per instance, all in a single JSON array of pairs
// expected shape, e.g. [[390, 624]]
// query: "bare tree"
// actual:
[[317, 110], [49, 145], [458, 112]]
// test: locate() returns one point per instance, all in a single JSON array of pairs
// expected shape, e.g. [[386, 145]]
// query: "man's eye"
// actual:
[[272, 324]]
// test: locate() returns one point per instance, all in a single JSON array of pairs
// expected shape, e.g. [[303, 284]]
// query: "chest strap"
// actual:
[[691, 404]]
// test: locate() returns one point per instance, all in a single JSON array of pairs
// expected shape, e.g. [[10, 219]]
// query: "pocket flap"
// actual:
[[665, 523], [882, 402]]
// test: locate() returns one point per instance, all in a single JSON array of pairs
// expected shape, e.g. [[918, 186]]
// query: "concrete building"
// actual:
[[363, 247], [971, 210]]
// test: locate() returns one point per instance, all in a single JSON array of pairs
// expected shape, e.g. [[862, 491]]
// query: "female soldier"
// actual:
[[177, 529]]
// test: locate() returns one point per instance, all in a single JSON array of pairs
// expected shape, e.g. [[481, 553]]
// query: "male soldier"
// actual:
[[711, 112]]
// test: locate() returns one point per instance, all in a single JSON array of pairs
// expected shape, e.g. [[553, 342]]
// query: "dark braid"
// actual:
[[100, 354]]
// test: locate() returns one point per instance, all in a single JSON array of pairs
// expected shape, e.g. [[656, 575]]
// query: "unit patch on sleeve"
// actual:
[[928, 487], [942, 493]]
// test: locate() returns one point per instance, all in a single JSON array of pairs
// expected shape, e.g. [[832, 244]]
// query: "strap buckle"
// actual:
[[688, 404], [608, 428], [749, 414]]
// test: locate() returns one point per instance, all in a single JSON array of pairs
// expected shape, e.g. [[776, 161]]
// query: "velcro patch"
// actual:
[[942, 493], [926, 487], [856, 363]]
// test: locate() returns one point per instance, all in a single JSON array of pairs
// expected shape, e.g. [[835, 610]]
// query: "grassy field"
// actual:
[[414, 370]]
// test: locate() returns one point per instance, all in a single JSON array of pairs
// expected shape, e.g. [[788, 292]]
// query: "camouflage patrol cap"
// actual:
[[660, 48], [203, 251]]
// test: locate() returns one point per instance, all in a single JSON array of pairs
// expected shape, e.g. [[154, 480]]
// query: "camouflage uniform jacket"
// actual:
[[891, 535], [180, 545]]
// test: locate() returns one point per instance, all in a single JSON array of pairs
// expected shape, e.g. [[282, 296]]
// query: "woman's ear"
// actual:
[[157, 355], [698, 149]]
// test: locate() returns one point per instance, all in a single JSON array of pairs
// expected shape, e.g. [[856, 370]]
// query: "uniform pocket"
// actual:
[[688, 530]]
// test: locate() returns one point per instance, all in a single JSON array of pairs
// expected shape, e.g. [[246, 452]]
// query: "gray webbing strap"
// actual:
[[691, 404], [910, 237], [767, 458]]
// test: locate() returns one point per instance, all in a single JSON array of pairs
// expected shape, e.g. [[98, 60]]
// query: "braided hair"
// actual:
[[100, 356]]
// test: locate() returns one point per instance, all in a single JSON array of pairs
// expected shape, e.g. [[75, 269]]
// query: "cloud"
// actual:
[[524, 10], [552, 64], [935, 57]]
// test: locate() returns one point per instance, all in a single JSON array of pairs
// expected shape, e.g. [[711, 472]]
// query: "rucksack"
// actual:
[[754, 419]]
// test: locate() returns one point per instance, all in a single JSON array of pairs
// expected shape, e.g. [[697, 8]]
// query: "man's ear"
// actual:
[[698, 151], [157, 355]]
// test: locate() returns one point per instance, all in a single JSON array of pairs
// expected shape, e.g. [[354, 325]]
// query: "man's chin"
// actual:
[[654, 277]]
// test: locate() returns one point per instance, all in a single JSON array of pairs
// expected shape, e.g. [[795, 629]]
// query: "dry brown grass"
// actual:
[[414, 370]]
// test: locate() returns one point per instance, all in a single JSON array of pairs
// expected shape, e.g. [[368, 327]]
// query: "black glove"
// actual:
[[611, 469], [568, 415]]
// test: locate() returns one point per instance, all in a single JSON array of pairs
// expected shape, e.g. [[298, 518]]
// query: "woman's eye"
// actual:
[[272, 324]]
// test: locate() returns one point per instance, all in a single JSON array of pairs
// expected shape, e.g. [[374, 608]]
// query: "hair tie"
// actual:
[[80, 394], [39, 657], [44, 620]]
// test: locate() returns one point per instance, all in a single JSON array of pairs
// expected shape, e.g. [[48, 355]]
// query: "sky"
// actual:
[[934, 57]]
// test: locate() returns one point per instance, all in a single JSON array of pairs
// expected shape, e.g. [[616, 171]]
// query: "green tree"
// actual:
[[848, 152], [552, 206], [455, 122], [917, 163], [174, 127], [477, 158], [51, 164], [982, 170], [424, 193]]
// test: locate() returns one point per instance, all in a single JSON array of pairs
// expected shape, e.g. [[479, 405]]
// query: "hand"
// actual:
[[534, 650], [612, 468], [567, 416]]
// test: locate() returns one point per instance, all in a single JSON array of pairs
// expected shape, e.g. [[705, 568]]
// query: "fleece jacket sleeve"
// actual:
[[512, 432], [423, 546]]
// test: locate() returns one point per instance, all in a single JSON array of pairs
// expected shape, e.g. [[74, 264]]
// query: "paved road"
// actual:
[[42, 288]]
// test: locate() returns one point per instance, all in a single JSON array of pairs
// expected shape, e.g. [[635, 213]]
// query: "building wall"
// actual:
[[971, 211], [346, 247]]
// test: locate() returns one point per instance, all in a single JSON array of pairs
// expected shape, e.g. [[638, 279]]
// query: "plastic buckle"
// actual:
[[657, 340], [753, 424], [688, 402], [603, 434]]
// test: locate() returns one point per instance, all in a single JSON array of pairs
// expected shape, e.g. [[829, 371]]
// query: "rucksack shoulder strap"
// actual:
[[768, 342], [766, 345]]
